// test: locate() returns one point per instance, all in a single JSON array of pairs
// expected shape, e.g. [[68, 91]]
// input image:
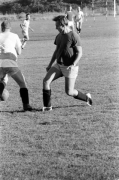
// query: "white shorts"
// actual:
[[71, 24], [79, 24], [9, 67], [8, 63], [26, 35], [69, 73]]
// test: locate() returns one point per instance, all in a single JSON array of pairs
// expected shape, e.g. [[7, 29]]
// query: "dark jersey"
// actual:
[[65, 47], [69, 16]]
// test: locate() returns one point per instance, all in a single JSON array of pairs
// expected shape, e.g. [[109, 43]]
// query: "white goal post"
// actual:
[[114, 8], [102, 7]]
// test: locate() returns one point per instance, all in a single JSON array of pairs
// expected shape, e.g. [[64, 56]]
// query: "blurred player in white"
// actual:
[[79, 19], [70, 17], [10, 48], [25, 26]]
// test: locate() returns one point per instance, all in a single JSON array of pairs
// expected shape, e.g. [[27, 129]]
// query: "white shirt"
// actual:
[[25, 25], [79, 16], [9, 43]]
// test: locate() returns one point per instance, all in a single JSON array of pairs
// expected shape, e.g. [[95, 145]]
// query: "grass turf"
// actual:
[[74, 141]]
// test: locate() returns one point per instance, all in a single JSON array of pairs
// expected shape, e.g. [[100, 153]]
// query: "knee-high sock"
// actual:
[[81, 96], [47, 98], [79, 30], [24, 95], [2, 86]]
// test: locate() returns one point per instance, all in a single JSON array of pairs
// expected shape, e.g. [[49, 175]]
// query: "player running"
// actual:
[[79, 20], [67, 55], [10, 48], [25, 26], [70, 17]]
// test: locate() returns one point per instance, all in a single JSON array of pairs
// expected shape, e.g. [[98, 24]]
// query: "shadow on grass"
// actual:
[[20, 111], [40, 110], [71, 106]]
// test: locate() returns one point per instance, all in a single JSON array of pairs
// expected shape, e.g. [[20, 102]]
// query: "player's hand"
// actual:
[[70, 67]]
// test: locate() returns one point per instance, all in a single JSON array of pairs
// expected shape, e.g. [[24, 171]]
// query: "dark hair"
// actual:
[[5, 25], [61, 19], [27, 14]]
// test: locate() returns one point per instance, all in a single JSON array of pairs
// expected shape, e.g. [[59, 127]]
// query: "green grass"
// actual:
[[74, 141]]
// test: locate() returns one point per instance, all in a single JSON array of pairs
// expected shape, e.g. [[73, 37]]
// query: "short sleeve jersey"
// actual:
[[69, 15], [65, 43], [79, 16], [8, 44], [25, 25]]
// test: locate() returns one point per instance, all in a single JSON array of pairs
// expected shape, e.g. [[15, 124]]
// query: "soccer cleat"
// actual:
[[89, 99], [27, 107], [47, 108]]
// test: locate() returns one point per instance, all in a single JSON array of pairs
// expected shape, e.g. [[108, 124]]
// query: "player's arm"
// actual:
[[22, 25], [18, 45], [52, 60], [82, 16], [78, 50], [31, 29], [18, 50], [75, 18]]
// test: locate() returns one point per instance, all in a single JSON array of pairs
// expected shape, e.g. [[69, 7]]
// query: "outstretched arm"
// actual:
[[31, 29], [22, 25]]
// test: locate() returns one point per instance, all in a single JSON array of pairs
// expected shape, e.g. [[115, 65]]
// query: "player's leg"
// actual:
[[53, 74], [81, 22], [78, 27], [3, 80], [71, 91], [71, 24], [24, 43], [20, 80], [70, 79], [25, 39]]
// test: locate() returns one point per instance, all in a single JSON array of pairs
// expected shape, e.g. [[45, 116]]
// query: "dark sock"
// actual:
[[79, 30], [81, 96], [24, 95], [2, 86], [47, 98]]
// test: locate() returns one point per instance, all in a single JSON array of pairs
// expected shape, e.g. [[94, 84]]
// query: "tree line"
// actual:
[[41, 6]]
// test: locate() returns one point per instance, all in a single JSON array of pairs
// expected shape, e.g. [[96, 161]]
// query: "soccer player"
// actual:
[[10, 48], [70, 17], [67, 55], [79, 19], [25, 26]]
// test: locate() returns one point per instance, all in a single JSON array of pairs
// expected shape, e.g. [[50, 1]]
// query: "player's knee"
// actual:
[[46, 83], [5, 79], [22, 84]]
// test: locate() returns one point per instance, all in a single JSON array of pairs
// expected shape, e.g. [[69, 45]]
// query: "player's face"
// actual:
[[59, 27], [28, 17], [79, 9]]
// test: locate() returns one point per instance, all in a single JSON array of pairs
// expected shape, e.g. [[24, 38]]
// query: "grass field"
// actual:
[[74, 141]]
